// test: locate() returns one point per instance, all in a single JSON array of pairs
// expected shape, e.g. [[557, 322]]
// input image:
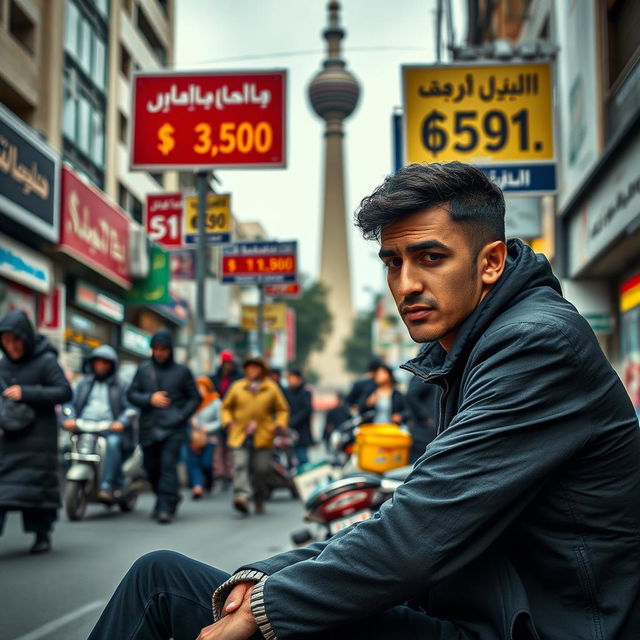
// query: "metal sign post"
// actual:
[[201, 257], [261, 318]]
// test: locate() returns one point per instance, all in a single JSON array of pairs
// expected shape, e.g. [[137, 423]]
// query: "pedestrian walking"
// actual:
[[301, 410], [228, 372], [519, 522], [334, 417], [252, 410], [32, 382], [385, 403], [166, 394], [101, 396], [202, 439]]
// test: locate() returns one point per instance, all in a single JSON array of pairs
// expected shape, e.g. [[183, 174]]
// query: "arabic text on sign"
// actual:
[[195, 97], [491, 133], [28, 177], [262, 264]]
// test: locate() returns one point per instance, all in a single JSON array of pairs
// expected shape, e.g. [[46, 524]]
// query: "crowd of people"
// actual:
[[222, 426]]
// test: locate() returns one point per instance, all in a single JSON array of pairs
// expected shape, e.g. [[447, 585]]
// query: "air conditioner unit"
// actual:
[[139, 263]]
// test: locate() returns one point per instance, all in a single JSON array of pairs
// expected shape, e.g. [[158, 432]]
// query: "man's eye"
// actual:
[[432, 257], [393, 263]]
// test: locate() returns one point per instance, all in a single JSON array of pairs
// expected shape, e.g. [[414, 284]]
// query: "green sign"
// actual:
[[154, 289], [135, 340]]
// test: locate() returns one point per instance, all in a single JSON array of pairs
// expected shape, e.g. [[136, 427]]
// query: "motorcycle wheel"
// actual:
[[129, 502], [75, 499]]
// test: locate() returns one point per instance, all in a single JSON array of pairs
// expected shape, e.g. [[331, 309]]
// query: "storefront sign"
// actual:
[[217, 219], [499, 117], [98, 302], [177, 310], [274, 316], [29, 178], [155, 287], [163, 219], [51, 311], [86, 331], [135, 340], [93, 230], [612, 206], [260, 263], [15, 297], [205, 120], [25, 266]]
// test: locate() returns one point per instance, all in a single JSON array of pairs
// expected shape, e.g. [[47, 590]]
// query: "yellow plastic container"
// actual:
[[381, 447]]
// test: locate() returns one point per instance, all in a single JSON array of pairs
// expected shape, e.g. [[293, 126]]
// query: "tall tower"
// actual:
[[334, 94]]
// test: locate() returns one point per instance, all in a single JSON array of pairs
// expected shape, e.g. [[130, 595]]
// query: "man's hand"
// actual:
[[237, 621], [13, 392], [69, 423], [160, 400], [117, 427], [251, 428]]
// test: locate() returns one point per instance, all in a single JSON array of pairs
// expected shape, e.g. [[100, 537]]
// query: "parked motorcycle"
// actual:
[[283, 463], [84, 476], [343, 502]]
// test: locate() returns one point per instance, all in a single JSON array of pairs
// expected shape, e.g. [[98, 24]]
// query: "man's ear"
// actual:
[[491, 262]]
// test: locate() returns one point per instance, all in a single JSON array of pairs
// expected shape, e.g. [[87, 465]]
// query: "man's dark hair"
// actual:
[[471, 198]]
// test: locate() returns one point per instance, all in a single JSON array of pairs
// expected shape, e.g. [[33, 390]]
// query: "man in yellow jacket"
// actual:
[[252, 410]]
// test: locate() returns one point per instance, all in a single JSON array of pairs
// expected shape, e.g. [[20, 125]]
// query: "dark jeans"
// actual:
[[33, 520], [112, 477], [200, 464], [167, 595], [161, 462], [300, 451]]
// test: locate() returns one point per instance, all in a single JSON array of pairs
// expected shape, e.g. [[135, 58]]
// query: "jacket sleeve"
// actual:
[[191, 393], [136, 394], [474, 480], [69, 409], [281, 408], [228, 404], [55, 388], [126, 414]]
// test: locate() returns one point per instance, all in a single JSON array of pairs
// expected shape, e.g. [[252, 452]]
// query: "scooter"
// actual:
[[346, 501], [84, 476]]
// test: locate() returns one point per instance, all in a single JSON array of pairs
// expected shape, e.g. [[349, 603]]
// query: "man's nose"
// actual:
[[408, 282]]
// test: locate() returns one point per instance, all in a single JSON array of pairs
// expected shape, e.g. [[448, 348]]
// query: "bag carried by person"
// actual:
[[14, 416], [198, 439]]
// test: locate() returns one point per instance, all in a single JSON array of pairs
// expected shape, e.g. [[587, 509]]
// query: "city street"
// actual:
[[61, 594]]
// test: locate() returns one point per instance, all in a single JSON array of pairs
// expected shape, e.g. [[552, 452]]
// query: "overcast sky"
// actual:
[[381, 35]]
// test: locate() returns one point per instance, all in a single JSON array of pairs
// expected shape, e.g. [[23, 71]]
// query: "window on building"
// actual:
[[149, 34], [97, 138], [99, 63], [123, 127], [21, 27], [624, 37], [126, 62], [129, 203], [70, 106], [83, 138], [128, 6], [164, 5], [72, 28], [103, 7], [158, 177], [136, 209]]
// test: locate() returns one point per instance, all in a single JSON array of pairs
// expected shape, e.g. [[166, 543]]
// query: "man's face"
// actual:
[[293, 380], [13, 345], [431, 274], [253, 371], [102, 367], [160, 353]]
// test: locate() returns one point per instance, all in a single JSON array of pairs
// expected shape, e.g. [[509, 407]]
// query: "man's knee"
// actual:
[[157, 562]]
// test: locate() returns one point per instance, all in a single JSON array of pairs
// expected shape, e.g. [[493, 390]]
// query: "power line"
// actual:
[[292, 54]]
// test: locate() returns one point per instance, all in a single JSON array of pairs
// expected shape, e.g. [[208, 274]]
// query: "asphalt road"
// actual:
[[59, 596]]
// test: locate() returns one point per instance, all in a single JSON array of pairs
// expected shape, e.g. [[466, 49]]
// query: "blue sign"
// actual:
[[525, 179]]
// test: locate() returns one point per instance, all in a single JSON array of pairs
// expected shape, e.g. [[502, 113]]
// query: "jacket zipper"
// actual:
[[441, 412]]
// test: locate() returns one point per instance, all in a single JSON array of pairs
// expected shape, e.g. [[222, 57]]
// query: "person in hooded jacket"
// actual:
[[166, 394], [520, 521], [101, 395], [30, 373], [301, 410]]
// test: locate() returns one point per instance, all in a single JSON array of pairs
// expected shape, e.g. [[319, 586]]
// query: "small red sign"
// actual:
[[216, 119], [290, 290], [163, 218], [93, 230], [51, 310]]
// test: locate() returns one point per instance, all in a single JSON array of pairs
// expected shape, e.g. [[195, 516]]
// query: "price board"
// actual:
[[163, 219], [217, 219], [208, 120], [499, 117], [260, 263]]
